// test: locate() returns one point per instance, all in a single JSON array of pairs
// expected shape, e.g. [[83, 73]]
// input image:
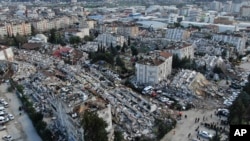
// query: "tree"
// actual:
[[55, 37], [129, 41], [134, 51], [216, 137], [113, 50], [52, 37], [176, 61], [19, 39], [118, 136], [118, 47], [88, 38], [74, 40], [119, 62], [33, 31], [94, 127]]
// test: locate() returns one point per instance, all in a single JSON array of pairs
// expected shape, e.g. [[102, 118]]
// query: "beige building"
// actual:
[[177, 34], [154, 68], [23, 28], [6, 53], [128, 30], [182, 50]]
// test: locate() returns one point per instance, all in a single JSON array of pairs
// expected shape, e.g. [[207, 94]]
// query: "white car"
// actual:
[[7, 138], [205, 134], [164, 99], [11, 117]]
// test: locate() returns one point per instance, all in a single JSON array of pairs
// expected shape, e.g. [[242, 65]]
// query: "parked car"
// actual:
[[2, 128], [164, 99], [7, 138], [205, 134], [11, 117]]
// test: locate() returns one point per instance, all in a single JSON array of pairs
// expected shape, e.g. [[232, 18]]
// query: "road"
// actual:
[[188, 125], [21, 128]]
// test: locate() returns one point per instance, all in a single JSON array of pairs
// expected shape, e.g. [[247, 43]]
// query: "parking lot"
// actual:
[[20, 128]]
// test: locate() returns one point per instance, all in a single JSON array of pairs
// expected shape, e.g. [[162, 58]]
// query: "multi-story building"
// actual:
[[237, 40], [155, 68], [23, 28], [48, 24], [215, 5], [40, 25], [107, 39], [125, 29], [227, 6], [6, 53], [245, 11], [177, 34], [174, 18], [182, 50], [226, 20], [3, 30], [128, 30]]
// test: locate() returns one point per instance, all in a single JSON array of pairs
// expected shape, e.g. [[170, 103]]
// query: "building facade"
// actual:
[[245, 11], [108, 39], [238, 41], [177, 34], [182, 51], [153, 69]]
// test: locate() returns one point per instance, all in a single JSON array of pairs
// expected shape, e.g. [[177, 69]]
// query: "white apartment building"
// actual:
[[238, 41], [215, 5], [107, 39], [173, 18], [177, 34], [182, 51], [3, 31], [153, 69]]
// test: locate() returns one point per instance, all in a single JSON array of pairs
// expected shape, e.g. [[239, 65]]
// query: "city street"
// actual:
[[187, 125], [21, 128]]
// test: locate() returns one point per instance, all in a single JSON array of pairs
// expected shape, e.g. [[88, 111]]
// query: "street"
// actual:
[[21, 128]]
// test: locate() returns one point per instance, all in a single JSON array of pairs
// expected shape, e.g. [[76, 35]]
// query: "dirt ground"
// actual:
[[187, 125]]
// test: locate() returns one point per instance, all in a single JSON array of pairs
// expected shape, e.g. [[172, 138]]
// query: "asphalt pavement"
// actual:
[[21, 128]]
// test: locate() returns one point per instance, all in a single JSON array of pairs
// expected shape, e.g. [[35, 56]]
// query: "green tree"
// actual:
[[94, 127], [176, 61], [19, 39], [216, 137], [74, 40], [113, 50], [119, 62], [134, 51], [52, 37], [118, 136], [118, 47], [88, 38], [129, 40], [33, 31]]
